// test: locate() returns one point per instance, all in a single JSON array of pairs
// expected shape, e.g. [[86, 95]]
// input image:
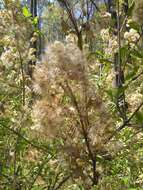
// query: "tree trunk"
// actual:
[[113, 8], [33, 10]]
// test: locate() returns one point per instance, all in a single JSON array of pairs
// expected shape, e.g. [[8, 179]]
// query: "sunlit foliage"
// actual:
[[71, 96]]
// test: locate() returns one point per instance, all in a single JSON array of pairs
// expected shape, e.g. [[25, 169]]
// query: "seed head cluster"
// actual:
[[68, 100]]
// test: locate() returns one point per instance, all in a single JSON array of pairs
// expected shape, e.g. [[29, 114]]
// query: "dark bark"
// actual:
[[126, 6], [70, 12], [33, 10], [80, 42], [95, 4], [113, 8]]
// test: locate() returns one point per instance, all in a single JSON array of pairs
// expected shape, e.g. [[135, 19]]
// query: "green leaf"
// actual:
[[134, 25], [126, 180], [105, 61], [114, 93], [131, 8], [130, 75], [139, 117], [35, 20], [137, 54], [26, 12], [123, 52]]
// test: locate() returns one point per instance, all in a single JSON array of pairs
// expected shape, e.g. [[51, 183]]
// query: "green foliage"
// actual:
[[26, 12], [99, 89], [139, 117]]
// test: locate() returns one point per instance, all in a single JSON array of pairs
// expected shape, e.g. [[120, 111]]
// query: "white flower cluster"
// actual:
[[111, 44], [135, 99], [31, 54], [132, 36], [105, 35], [9, 57]]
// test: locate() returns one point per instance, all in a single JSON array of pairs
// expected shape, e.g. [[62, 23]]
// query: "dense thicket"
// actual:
[[71, 98]]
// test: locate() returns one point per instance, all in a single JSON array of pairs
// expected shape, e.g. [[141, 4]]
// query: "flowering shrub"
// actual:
[[78, 123], [68, 107]]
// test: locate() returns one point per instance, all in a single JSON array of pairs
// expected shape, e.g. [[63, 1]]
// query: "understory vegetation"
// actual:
[[71, 95]]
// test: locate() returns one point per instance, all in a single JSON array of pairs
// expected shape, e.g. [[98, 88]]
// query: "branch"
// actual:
[[126, 122], [69, 91], [38, 173], [97, 8], [70, 13], [135, 78], [62, 182], [55, 180], [25, 139], [130, 118]]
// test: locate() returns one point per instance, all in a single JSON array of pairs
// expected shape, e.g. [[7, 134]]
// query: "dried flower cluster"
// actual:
[[70, 107], [60, 64], [64, 73], [75, 91]]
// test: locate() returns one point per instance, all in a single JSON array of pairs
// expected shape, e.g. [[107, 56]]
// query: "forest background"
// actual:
[[71, 95]]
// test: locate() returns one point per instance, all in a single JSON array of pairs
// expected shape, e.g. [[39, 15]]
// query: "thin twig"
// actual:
[[97, 8], [126, 122], [135, 78], [25, 139], [92, 156], [38, 173], [62, 182]]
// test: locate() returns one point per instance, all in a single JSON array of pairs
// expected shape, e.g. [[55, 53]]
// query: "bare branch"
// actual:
[[25, 139], [97, 8], [126, 122], [62, 182]]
